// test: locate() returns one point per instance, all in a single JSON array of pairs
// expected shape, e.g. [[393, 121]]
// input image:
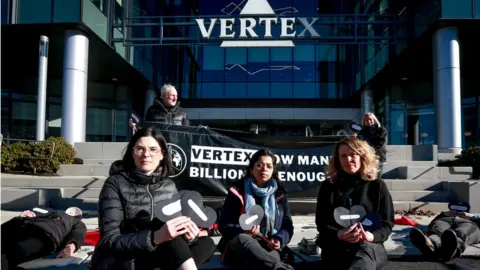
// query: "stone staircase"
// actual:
[[414, 180]]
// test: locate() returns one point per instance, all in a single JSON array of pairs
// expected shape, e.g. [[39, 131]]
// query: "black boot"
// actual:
[[448, 250], [422, 242]]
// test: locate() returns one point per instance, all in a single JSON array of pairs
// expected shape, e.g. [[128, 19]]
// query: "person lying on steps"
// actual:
[[39, 233], [449, 234]]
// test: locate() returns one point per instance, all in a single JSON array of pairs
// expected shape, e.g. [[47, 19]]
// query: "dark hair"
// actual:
[[255, 157], [165, 164]]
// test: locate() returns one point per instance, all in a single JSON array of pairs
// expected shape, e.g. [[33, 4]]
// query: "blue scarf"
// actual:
[[268, 202]]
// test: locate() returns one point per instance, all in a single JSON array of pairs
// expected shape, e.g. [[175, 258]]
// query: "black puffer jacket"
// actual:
[[377, 138], [63, 229], [125, 214], [159, 113]]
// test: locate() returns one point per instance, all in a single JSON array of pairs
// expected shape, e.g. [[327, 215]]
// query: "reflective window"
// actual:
[[5, 11], [24, 120], [212, 90], [34, 11], [398, 128], [258, 90], [54, 120], [469, 125], [236, 64], [281, 90], [5, 113], [235, 90], [452, 9], [304, 90], [99, 125], [281, 66]]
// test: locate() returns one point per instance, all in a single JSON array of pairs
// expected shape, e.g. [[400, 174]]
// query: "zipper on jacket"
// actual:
[[151, 201]]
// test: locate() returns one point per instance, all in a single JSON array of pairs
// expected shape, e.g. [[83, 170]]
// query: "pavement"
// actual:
[[398, 245]]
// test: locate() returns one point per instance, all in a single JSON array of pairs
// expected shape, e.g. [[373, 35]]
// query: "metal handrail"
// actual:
[[33, 158]]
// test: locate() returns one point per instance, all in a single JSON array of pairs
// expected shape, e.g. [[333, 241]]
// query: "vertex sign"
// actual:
[[264, 15]]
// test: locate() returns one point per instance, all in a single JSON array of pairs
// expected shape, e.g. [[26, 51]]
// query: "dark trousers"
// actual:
[[364, 256], [466, 230], [173, 253], [24, 245], [244, 250]]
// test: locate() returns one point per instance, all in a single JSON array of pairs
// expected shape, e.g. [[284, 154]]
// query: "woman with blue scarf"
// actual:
[[265, 246]]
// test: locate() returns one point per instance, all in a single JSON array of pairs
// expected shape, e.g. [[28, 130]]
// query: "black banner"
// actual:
[[210, 161]]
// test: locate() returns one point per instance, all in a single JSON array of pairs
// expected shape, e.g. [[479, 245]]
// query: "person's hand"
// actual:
[[350, 234], [255, 230], [192, 232], [365, 236], [27, 213], [67, 251], [354, 135], [203, 233], [275, 243], [131, 123], [171, 229]]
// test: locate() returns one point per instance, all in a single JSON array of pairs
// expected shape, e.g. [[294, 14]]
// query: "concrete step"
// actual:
[[434, 173], [308, 206], [25, 181], [28, 181], [99, 161], [392, 170], [412, 153], [420, 195], [83, 170], [401, 184], [115, 150]]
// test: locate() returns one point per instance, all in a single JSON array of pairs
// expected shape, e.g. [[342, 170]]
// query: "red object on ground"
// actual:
[[403, 220], [92, 238]]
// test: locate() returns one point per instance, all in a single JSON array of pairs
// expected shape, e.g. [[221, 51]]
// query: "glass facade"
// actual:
[[313, 70], [306, 71], [106, 117]]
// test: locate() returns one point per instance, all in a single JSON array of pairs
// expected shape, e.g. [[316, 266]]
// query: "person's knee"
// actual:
[[207, 244], [243, 239]]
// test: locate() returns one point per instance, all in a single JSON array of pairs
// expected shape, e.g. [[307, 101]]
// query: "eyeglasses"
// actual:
[[141, 150]]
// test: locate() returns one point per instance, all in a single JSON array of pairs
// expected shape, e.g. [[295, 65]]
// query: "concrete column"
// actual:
[[387, 123], [74, 97], [367, 103], [447, 98], [149, 99], [413, 129]]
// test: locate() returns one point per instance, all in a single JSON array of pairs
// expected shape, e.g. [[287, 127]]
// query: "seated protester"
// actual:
[[259, 187], [34, 235], [353, 181], [128, 237], [449, 234]]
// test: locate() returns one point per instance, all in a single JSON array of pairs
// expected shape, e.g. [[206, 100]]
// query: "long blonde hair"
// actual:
[[375, 119], [369, 169]]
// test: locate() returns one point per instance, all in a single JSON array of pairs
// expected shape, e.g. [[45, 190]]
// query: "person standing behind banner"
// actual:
[[166, 109], [353, 181], [130, 239], [376, 136], [260, 186]]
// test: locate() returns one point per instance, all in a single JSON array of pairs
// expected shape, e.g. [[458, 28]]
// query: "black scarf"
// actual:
[[144, 179]]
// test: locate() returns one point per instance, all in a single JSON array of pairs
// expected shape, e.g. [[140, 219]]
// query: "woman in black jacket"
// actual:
[[260, 186], [353, 181], [376, 136], [130, 239]]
